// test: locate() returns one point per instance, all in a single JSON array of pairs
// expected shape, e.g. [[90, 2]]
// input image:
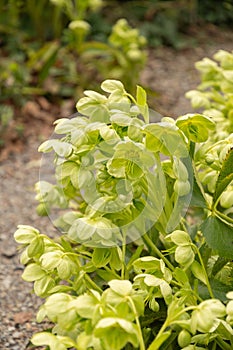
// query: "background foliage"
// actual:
[[57, 48]]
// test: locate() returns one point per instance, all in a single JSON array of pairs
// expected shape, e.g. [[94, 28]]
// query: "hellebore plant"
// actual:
[[144, 255]]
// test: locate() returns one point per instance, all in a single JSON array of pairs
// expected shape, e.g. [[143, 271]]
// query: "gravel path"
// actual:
[[168, 72]]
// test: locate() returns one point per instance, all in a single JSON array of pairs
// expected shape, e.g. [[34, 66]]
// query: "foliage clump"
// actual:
[[144, 260]]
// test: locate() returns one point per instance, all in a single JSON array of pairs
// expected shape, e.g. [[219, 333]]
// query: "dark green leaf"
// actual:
[[219, 236], [225, 175], [198, 199]]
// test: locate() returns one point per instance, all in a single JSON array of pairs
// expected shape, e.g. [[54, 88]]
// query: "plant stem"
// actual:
[[111, 271], [205, 273], [223, 345], [156, 251], [226, 218], [123, 255], [140, 336], [92, 283]]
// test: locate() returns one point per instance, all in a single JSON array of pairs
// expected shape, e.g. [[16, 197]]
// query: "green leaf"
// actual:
[[198, 199], [33, 272], [116, 258], [112, 85], [135, 256], [43, 285], [51, 260], [195, 126], [61, 148], [181, 276], [54, 342], [198, 271], [219, 236], [141, 96], [25, 234], [178, 212], [81, 230], [116, 332], [180, 238], [94, 106], [36, 246], [121, 287], [147, 264], [184, 255], [85, 305], [158, 341], [198, 99], [142, 103], [165, 138], [121, 119], [56, 304], [225, 176], [101, 257]]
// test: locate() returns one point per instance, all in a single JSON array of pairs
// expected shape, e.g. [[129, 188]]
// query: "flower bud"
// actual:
[[226, 199], [181, 187], [180, 170], [184, 338]]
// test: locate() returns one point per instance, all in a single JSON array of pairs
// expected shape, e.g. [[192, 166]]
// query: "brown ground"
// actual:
[[170, 73]]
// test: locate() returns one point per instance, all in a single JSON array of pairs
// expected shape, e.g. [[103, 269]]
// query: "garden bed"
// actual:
[[170, 73]]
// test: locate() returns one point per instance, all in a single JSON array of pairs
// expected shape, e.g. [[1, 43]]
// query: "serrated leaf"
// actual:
[[219, 236], [225, 175]]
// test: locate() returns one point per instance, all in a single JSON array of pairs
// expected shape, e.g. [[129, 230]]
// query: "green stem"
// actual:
[[169, 322], [223, 345], [204, 270], [111, 271], [123, 255], [192, 149], [140, 336], [130, 97], [156, 251], [92, 283], [224, 217]]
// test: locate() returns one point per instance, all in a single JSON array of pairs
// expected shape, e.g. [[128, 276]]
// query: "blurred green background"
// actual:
[[58, 48]]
